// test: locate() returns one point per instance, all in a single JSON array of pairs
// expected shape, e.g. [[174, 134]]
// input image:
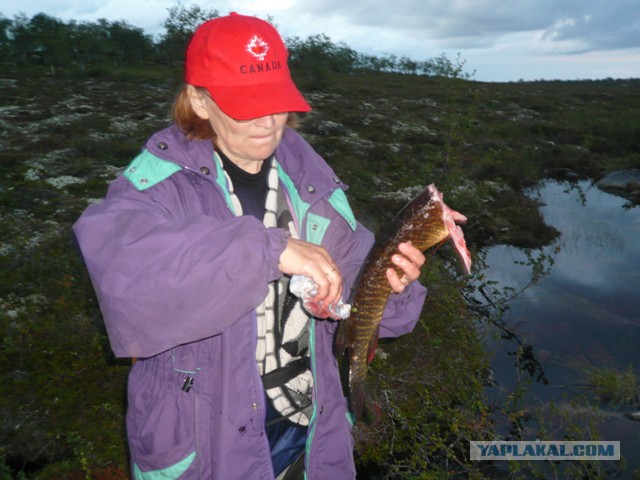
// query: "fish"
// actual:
[[426, 222]]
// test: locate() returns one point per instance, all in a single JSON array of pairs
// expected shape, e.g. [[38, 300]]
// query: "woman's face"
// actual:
[[247, 143]]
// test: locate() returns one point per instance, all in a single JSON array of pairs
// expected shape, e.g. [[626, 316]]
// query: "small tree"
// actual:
[[179, 27], [5, 39], [42, 40], [316, 56], [91, 44], [130, 43], [442, 66]]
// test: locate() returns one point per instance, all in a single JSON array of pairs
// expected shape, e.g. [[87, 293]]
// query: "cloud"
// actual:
[[599, 27], [570, 25]]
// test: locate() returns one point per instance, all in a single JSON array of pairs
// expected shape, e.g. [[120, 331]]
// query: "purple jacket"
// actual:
[[178, 277]]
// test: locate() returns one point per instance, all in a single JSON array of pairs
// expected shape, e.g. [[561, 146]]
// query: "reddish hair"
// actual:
[[194, 127]]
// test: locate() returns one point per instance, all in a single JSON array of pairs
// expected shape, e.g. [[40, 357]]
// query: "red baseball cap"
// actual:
[[242, 62]]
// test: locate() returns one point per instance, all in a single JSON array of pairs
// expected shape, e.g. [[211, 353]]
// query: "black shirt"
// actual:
[[250, 188]]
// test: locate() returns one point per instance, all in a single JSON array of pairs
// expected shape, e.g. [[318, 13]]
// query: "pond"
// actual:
[[583, 314]]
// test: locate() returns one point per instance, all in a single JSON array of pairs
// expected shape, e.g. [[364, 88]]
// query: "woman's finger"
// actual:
[[412, 253]]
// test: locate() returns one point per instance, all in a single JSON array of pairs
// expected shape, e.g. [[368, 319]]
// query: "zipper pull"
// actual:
[[187, 384]]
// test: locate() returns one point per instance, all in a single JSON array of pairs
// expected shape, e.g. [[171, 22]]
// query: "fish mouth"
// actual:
[[453, 219], [457, 237]]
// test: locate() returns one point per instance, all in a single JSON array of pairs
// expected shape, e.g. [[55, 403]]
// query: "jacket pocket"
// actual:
[[162, 430]]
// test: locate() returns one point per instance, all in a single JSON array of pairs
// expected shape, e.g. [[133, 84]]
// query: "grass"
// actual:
[[611, 385]]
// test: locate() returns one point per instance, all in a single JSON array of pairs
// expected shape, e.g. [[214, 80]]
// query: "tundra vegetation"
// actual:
[[78, 101]]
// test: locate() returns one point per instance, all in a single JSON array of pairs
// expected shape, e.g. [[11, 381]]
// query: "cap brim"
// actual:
[[254, 101]]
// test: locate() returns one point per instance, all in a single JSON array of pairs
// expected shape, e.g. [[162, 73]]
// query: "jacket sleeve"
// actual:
[[162, 279], [403, 311], [349, 249]]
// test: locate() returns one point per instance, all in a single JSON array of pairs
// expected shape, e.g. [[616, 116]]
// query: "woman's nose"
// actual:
[[267, 121]]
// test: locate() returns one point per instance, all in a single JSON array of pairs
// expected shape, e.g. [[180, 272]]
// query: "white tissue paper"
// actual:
[[305, 288]]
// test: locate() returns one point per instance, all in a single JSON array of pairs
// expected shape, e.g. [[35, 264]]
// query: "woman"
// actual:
[[190, 254]]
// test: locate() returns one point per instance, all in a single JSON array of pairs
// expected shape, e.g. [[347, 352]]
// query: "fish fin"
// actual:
[[341, 340], [341, 352], [373, 345], [363, 404]]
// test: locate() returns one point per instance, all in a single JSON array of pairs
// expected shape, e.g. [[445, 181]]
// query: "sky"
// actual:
[[499, 40]]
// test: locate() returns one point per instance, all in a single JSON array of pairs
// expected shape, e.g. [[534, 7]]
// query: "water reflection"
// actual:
[[587, 306]]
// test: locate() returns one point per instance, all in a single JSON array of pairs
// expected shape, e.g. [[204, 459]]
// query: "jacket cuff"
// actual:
[[277, 239], [403, 311]]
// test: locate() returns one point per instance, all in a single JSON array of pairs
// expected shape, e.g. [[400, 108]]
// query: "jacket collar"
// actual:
[[304, 166]]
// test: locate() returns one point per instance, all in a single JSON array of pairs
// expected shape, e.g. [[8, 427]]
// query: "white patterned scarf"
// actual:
[[283, 325]]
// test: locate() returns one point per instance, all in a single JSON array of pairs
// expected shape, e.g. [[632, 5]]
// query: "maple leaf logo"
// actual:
[[258, 47]]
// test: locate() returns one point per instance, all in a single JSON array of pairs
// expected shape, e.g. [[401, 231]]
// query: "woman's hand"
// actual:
[[314, 262], [409, 260]]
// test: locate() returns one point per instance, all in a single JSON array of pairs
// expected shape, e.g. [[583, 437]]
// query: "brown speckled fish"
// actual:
[[425, 222]]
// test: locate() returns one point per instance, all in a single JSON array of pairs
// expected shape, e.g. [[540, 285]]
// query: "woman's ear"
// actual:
[[198, 102]]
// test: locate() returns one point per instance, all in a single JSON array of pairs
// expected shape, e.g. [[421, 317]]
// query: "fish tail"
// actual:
[[363, 404], [358, 399]]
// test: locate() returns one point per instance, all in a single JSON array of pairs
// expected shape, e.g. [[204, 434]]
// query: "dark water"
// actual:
[[587, 308]]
